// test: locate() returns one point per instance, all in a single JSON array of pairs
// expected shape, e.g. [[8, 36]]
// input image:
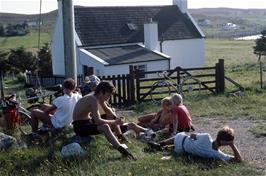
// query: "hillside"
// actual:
[[249, 21], [48, 19]]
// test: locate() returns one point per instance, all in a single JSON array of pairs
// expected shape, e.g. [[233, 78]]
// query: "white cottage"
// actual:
[[110, 39]]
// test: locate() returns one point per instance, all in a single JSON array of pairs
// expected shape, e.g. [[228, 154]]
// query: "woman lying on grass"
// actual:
[[202, 145]]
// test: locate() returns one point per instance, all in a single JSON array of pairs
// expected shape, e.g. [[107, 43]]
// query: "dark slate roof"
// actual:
[[126, 54], [108, 25]]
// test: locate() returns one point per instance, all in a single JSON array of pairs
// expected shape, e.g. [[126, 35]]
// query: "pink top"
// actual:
[[184, 118]]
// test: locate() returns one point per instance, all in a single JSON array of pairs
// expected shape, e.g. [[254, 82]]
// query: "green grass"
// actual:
[[235, 53], [258, 130], [103, 160], [28, 41], [240, 65]]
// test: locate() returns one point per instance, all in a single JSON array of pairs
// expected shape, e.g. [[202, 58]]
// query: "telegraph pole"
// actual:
[[69, 41], [2, 84]]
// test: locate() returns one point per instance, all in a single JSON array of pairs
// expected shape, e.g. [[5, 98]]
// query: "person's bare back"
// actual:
[[84, 107], [165, 118]]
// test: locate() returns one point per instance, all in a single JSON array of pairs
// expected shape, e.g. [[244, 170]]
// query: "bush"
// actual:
[[21, 77]]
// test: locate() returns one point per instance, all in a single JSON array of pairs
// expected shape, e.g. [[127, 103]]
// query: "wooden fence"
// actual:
[[211, 79], [135, 86]]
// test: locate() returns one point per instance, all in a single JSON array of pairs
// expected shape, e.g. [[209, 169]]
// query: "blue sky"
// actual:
[[32, 6]]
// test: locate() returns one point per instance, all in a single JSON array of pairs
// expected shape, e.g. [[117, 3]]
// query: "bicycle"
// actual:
[[189, 86], [14, 114]]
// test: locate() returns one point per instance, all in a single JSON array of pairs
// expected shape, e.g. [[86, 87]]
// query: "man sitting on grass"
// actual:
[[87, 119], [202, 145], [59, 114]]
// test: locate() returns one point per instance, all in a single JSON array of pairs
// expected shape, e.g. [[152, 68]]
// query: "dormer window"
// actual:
[[132, 26]]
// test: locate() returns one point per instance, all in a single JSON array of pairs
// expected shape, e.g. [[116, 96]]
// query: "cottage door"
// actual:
[[87, 71]]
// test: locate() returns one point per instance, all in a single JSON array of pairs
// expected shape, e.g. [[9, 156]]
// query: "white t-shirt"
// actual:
[[65, 105], [202, 146]]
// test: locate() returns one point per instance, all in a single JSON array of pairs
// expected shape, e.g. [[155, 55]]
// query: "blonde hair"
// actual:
[[177, 99], [225, 134], [166, 100]]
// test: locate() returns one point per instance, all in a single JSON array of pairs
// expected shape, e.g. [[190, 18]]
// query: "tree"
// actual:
[[2, 30], [260, 50], [22, 60], [3, 61], [45, 60]]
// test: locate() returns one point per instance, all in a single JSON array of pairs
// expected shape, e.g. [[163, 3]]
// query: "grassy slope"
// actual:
[[28, 41], [102, 160]]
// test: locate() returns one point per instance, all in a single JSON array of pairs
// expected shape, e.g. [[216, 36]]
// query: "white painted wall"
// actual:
[[86, 58], [57, 48], [185, 53]]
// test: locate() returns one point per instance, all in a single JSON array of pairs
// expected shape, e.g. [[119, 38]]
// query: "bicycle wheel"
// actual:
[[25, 122], [190, 87], [160, 90]]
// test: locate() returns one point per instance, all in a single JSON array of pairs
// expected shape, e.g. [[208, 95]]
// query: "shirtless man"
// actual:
[[87, 119]]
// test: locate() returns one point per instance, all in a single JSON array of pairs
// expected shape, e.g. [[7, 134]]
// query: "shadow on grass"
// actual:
[[201, 163]]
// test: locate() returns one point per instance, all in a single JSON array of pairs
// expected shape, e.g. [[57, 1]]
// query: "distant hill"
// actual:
[[47, 19], [248, 21]]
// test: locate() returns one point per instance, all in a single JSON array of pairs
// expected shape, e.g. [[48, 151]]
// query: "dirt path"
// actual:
[[252, 148]]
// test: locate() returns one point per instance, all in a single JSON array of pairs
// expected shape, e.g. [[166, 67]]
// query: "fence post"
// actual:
[[178, 74], [114, 83], [219, 76], [137, 76], [124, 89], [132, 84], [118, 88]]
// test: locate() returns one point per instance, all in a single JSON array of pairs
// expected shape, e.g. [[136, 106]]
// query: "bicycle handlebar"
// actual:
[[162, 74]]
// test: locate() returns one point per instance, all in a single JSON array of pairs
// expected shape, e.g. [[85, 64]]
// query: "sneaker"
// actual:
[[150, 133], [125, 153], [146, 136], [43, 130], [34, 136], [155, 146]]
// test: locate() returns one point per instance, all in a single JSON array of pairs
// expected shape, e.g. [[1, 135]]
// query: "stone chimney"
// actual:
[[151, 35], [182, 4]]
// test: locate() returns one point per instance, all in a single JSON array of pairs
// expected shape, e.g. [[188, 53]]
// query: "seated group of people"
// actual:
[[91, 115]]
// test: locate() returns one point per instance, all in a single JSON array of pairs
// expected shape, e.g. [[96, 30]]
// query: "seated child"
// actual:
[[180, 116], [159, 120]]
